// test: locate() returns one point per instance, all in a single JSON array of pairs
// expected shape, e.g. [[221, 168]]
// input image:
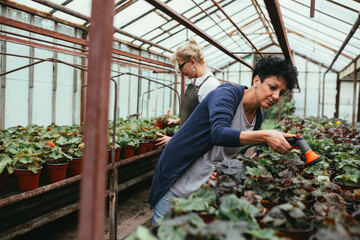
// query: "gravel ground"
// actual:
[[133, 211]]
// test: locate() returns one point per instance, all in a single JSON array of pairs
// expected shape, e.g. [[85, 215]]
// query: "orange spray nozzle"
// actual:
[[312, 158]]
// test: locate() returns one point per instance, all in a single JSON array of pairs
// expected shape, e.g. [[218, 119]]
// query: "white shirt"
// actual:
[[210, 84]]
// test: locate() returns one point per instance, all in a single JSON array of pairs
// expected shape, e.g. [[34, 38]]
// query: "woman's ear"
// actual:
[[256, 81]]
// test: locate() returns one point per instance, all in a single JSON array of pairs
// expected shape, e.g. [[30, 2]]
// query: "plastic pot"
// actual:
[[56, 171], [75, 166], [142, 148], [160, 123], [117, 154], [27, 180], [129, 151], [207, 217], [151, 145]]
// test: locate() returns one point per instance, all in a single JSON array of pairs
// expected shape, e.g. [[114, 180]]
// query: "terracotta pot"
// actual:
[[128, 152], [117, 154], [3, 177], [27, 180], [160, 123], [207, 217], [75, 166], [56, 171], [151, 145], [142, 148]]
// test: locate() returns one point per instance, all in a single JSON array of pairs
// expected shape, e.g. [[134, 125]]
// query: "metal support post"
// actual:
[[93, 184]]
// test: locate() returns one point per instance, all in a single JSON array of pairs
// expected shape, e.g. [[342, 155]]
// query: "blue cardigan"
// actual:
[[207, 126]]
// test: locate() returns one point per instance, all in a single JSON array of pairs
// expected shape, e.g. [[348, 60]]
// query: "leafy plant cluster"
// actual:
[[34, 145], [296, 196]]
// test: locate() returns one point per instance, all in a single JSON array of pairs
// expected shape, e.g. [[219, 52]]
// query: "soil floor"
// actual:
[[133, 211]]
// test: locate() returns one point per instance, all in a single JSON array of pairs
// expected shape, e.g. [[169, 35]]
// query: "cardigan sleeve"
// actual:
[[222, 108]]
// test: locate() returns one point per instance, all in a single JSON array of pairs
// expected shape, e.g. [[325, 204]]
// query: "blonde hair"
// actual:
[[188, 50]]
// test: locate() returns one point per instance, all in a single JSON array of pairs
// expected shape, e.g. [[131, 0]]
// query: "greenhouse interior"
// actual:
[[215, 119]]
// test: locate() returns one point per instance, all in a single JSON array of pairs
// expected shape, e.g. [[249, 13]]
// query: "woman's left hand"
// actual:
[[161, 140]]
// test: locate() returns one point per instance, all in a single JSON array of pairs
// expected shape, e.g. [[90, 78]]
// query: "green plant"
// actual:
[[6, 162], [202, 200], [349, 178], [29, 158], [235, 209], [288, 215]]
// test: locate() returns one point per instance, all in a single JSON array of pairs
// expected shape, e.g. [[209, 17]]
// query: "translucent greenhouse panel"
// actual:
[[347, 101], [17, 87], [181, 6], [124, 83], [133, 98], [150, 21], [42, 95], [64, 91], [83, 7], [330, 93], [77, 107]]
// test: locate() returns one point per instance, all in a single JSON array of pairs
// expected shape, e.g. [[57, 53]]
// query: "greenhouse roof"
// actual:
[[317, 38]]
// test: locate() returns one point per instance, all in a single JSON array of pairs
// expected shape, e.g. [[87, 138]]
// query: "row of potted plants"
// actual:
[[270, 196], [29, 150]]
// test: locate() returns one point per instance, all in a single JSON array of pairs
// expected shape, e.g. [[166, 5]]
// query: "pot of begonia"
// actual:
[[129, 141], [75, 164], [56, 162], [27, 169], [290, 220], [200, 202]]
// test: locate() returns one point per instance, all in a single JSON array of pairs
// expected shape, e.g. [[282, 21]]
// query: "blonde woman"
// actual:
[[189, 60]]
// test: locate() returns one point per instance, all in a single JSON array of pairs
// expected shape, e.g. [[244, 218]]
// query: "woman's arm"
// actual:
[[274, 139]]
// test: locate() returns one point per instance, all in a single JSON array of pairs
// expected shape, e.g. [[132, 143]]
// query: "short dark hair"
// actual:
[[275, 66]]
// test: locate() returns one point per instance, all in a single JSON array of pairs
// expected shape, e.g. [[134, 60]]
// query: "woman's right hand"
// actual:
[[276, 140], [173, 122], [161, 140]]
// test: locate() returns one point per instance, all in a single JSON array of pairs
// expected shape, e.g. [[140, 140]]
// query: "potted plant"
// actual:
[[128, 140], [161, 121], [201, 202], [56, 162], [75, 164], [27, 169], [290, 219], [256, 201], [234, 209], [327, 202], [349, 180]]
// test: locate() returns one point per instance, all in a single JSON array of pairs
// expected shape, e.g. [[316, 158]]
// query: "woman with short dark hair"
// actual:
[[224, 122]]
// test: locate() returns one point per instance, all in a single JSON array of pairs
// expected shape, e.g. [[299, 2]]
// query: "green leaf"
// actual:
[[5, 161], [33, 167], [286, 207], [297, 213]]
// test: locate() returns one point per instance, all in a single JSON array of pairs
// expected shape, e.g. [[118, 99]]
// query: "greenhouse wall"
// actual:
[[51, 92]]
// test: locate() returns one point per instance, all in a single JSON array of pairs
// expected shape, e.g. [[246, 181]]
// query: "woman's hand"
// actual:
[[173, 122], [276, 140], [161, 140]]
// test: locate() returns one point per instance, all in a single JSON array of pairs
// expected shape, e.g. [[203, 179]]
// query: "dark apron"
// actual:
[[189, 101]]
